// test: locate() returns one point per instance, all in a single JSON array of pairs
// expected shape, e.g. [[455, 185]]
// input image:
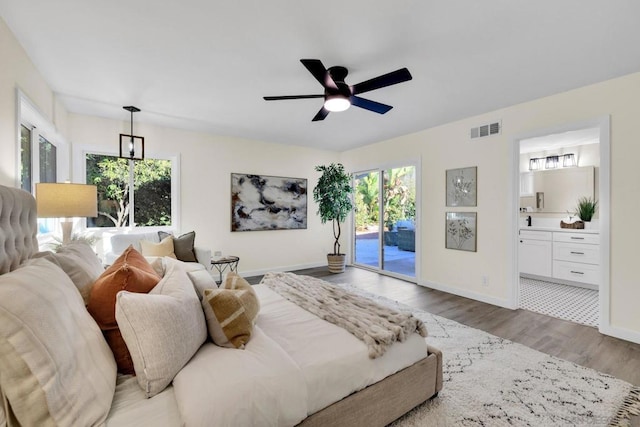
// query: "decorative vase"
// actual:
[[336, 263]]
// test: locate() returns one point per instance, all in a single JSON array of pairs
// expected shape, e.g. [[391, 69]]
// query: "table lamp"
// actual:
[[66, 200]]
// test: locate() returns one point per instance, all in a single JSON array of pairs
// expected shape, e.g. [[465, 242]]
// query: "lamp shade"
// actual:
[[65, 200]]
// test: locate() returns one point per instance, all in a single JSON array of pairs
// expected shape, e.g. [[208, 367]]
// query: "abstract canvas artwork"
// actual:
[[461, 231], [262, 202], [461, 186]]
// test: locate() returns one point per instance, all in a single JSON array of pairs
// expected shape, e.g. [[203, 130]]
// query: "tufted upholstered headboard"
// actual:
[[18, 227]]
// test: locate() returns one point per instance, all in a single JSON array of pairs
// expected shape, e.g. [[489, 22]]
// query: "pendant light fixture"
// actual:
[[132, 144]]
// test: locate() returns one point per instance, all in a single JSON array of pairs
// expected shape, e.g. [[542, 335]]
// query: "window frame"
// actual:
[[81, 171]]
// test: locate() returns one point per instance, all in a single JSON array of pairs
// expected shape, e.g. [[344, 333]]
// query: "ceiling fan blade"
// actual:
[[319, 71], [322, 114], [367, 104], [279, 98], [392, 78]]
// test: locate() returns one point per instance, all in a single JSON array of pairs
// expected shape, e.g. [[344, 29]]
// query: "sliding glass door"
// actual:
[[367, 214], [385, 220]]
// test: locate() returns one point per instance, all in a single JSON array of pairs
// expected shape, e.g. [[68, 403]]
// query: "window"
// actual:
[[131, 193], [48, 161], [42, 148]]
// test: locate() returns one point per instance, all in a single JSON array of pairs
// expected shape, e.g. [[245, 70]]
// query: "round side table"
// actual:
[[230, 262]]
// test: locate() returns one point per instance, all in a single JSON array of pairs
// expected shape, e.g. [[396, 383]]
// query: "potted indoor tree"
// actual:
[[332, 194]]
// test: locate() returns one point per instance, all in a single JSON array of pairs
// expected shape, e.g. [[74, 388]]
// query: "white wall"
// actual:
[[17, 71], [206, 164], [448, 146]]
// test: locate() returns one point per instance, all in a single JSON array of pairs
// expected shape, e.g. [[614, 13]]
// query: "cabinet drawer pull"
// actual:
[[577, 238], [577, 253], [577, 272]]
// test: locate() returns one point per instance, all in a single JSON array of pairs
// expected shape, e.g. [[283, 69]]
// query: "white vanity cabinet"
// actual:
[[576, 257], [561, 256], [534, 254]]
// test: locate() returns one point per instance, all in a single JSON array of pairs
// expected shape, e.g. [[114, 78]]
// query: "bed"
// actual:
[[296, 370]]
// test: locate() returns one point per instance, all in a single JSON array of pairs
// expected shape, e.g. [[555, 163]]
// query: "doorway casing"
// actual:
[[603, 124]]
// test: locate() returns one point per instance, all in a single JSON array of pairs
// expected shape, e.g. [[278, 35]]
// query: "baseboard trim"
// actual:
[[622, 333], [252, 273], [466, 294]]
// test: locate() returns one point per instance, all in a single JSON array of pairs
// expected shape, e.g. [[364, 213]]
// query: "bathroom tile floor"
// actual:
[[562, 301]]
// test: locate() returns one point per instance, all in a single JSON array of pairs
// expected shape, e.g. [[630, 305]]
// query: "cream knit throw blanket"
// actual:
[[376, 325]]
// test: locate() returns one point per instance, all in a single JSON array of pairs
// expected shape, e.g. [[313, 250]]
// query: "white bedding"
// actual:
[[334, 363], [131, 408], [257, 386], [295, 365]]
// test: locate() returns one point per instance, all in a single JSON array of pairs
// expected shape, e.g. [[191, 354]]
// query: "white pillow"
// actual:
[[162, 329], [81, 264], [56, 366], [202, 280], [158, 265], [3, 417]]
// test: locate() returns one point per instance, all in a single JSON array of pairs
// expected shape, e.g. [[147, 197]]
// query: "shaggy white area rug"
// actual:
[[491, 381]]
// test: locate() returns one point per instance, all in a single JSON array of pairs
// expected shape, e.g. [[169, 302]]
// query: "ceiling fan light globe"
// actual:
[[335, 103]]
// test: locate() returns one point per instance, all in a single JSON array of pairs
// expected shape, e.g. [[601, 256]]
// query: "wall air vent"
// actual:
[[486, 130]]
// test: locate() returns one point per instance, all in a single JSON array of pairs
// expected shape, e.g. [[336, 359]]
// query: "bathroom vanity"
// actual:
[[560, 255]]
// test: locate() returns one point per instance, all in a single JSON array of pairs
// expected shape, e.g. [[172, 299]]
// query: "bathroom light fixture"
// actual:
[[535, 164], [337, 102], [131, 141], [552, 162], [568, 160]]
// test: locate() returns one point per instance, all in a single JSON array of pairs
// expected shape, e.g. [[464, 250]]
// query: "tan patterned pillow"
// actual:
[[231, 312], [164, 248]]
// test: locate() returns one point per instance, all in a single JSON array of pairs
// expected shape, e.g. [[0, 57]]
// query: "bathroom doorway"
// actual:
[[561, 262]]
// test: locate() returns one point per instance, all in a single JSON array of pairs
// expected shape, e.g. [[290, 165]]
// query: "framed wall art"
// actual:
[[461, 231], [462, 187], [263, 202]]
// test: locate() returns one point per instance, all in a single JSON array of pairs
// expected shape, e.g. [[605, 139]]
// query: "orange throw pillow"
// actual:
[[130, 272]]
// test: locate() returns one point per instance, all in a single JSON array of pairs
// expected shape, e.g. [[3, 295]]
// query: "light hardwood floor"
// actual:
[[580, 344]]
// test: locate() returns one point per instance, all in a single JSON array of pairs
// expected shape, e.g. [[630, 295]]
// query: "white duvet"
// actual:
[[294, 365], [333, 362]]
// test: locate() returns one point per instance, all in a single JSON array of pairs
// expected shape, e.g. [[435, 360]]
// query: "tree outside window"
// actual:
[[25, 158], [149, 181]]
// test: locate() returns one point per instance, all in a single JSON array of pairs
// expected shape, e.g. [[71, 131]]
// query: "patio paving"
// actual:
[[395, 260]]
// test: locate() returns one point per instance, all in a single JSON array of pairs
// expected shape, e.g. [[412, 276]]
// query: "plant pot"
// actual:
[[336, 263]]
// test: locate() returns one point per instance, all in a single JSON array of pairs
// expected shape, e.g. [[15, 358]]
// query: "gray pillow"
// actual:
[[182, 246]]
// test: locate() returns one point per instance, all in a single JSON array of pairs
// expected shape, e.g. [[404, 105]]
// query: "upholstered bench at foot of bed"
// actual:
[[385, 401]]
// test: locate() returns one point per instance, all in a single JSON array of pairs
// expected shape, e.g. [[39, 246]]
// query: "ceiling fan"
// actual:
[[338, 96]]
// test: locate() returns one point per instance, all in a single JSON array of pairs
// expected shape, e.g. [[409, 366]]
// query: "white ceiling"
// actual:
[[205, 65], [560, 140]]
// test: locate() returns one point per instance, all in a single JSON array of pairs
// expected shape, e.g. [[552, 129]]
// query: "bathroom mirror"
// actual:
[[556, 190]]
